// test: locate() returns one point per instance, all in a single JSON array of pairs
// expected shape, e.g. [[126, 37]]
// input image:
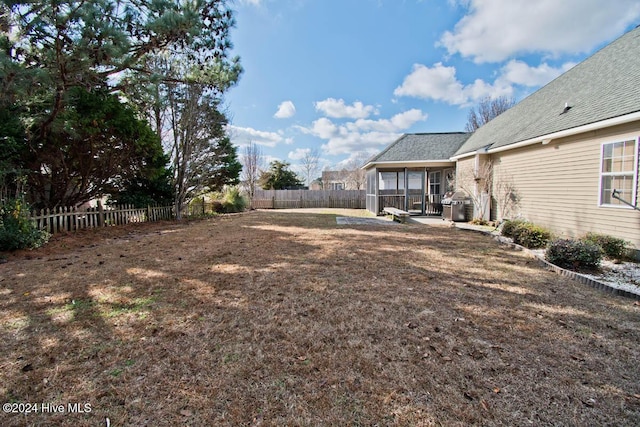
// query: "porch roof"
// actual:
[[420, 147]]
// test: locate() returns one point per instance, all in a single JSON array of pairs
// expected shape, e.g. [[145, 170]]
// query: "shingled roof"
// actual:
[[604, 86], [414, 147]]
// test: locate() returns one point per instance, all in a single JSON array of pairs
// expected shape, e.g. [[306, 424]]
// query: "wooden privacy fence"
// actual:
[[287, 199], [201, 207], [71, 219]]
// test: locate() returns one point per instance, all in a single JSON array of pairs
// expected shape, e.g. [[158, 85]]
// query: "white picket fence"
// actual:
[[71, 219]]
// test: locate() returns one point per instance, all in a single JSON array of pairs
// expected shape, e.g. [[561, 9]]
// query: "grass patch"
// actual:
[[285, 318], [139, 306]]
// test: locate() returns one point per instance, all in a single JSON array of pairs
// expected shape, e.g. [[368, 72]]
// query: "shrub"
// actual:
[[574, 254], [217, 206], [479, 221], [17, 231], [531, 236], [233, 201], [612, 247], [510, 226]]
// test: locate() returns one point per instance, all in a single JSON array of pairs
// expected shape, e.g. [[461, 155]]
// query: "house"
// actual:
[[413, 173], [565, 148], [557, 156], [316, 184], [344, 179]]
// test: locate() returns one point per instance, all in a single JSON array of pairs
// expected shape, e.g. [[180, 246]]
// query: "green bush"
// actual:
[[612, 247], [574, 254], [17, 231], [531, 236], [510, 226], [234, 201]]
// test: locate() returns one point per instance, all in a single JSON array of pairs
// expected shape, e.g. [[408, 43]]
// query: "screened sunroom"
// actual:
[[413, 173]]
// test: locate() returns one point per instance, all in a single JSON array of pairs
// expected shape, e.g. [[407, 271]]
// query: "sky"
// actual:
[[348, 77]]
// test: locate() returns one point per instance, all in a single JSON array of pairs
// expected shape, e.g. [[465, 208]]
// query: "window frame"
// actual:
[[398, 188], [634, 173], [438, 182]]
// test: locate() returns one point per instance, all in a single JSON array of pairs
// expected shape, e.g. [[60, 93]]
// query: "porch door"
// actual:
[[433, 206], [415, 192]]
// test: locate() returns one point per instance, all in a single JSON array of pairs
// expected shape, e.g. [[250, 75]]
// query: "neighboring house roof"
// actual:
[[334, 175], [604, 86], [421, 147]]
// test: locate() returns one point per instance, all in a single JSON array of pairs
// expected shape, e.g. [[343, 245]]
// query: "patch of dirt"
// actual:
[[286, 318]]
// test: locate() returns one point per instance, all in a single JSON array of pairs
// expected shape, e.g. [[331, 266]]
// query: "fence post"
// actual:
[[100, 214]]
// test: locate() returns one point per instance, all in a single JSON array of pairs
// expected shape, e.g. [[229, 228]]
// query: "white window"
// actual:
[[435, 180], [619, 171]]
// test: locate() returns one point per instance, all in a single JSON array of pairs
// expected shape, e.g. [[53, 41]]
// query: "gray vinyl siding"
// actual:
[[559, 184]]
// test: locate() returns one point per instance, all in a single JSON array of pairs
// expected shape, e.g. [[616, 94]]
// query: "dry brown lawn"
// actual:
[[285, 318]]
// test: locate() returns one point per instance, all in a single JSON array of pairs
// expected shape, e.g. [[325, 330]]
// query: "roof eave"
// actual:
[[414, 163], [483, 150]]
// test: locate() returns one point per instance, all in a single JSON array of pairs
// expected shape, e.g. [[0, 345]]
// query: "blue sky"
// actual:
[[347, 77]]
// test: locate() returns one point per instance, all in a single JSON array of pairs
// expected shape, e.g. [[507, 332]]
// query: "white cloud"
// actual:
[[356, 158], [299, 153], [480, 89], [336, 108], [242, 136], [251, 2], [362, 134], [268, 159], [351, 142], [441, 84], [407, 119], [438, 83], [494, 30], [322, 128], [520, 73], [286, 109], [398, 122]]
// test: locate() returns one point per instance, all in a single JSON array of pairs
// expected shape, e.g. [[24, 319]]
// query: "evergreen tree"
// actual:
[[56, 55], [279, 177], [203, 158], [152, 187], [96, 140]]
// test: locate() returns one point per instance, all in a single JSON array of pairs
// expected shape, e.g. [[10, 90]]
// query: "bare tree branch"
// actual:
[[488, 109], [253, 165], [309, 164]]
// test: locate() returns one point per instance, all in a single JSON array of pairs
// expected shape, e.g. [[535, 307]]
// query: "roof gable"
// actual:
[[601, 87], [422, 147]]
